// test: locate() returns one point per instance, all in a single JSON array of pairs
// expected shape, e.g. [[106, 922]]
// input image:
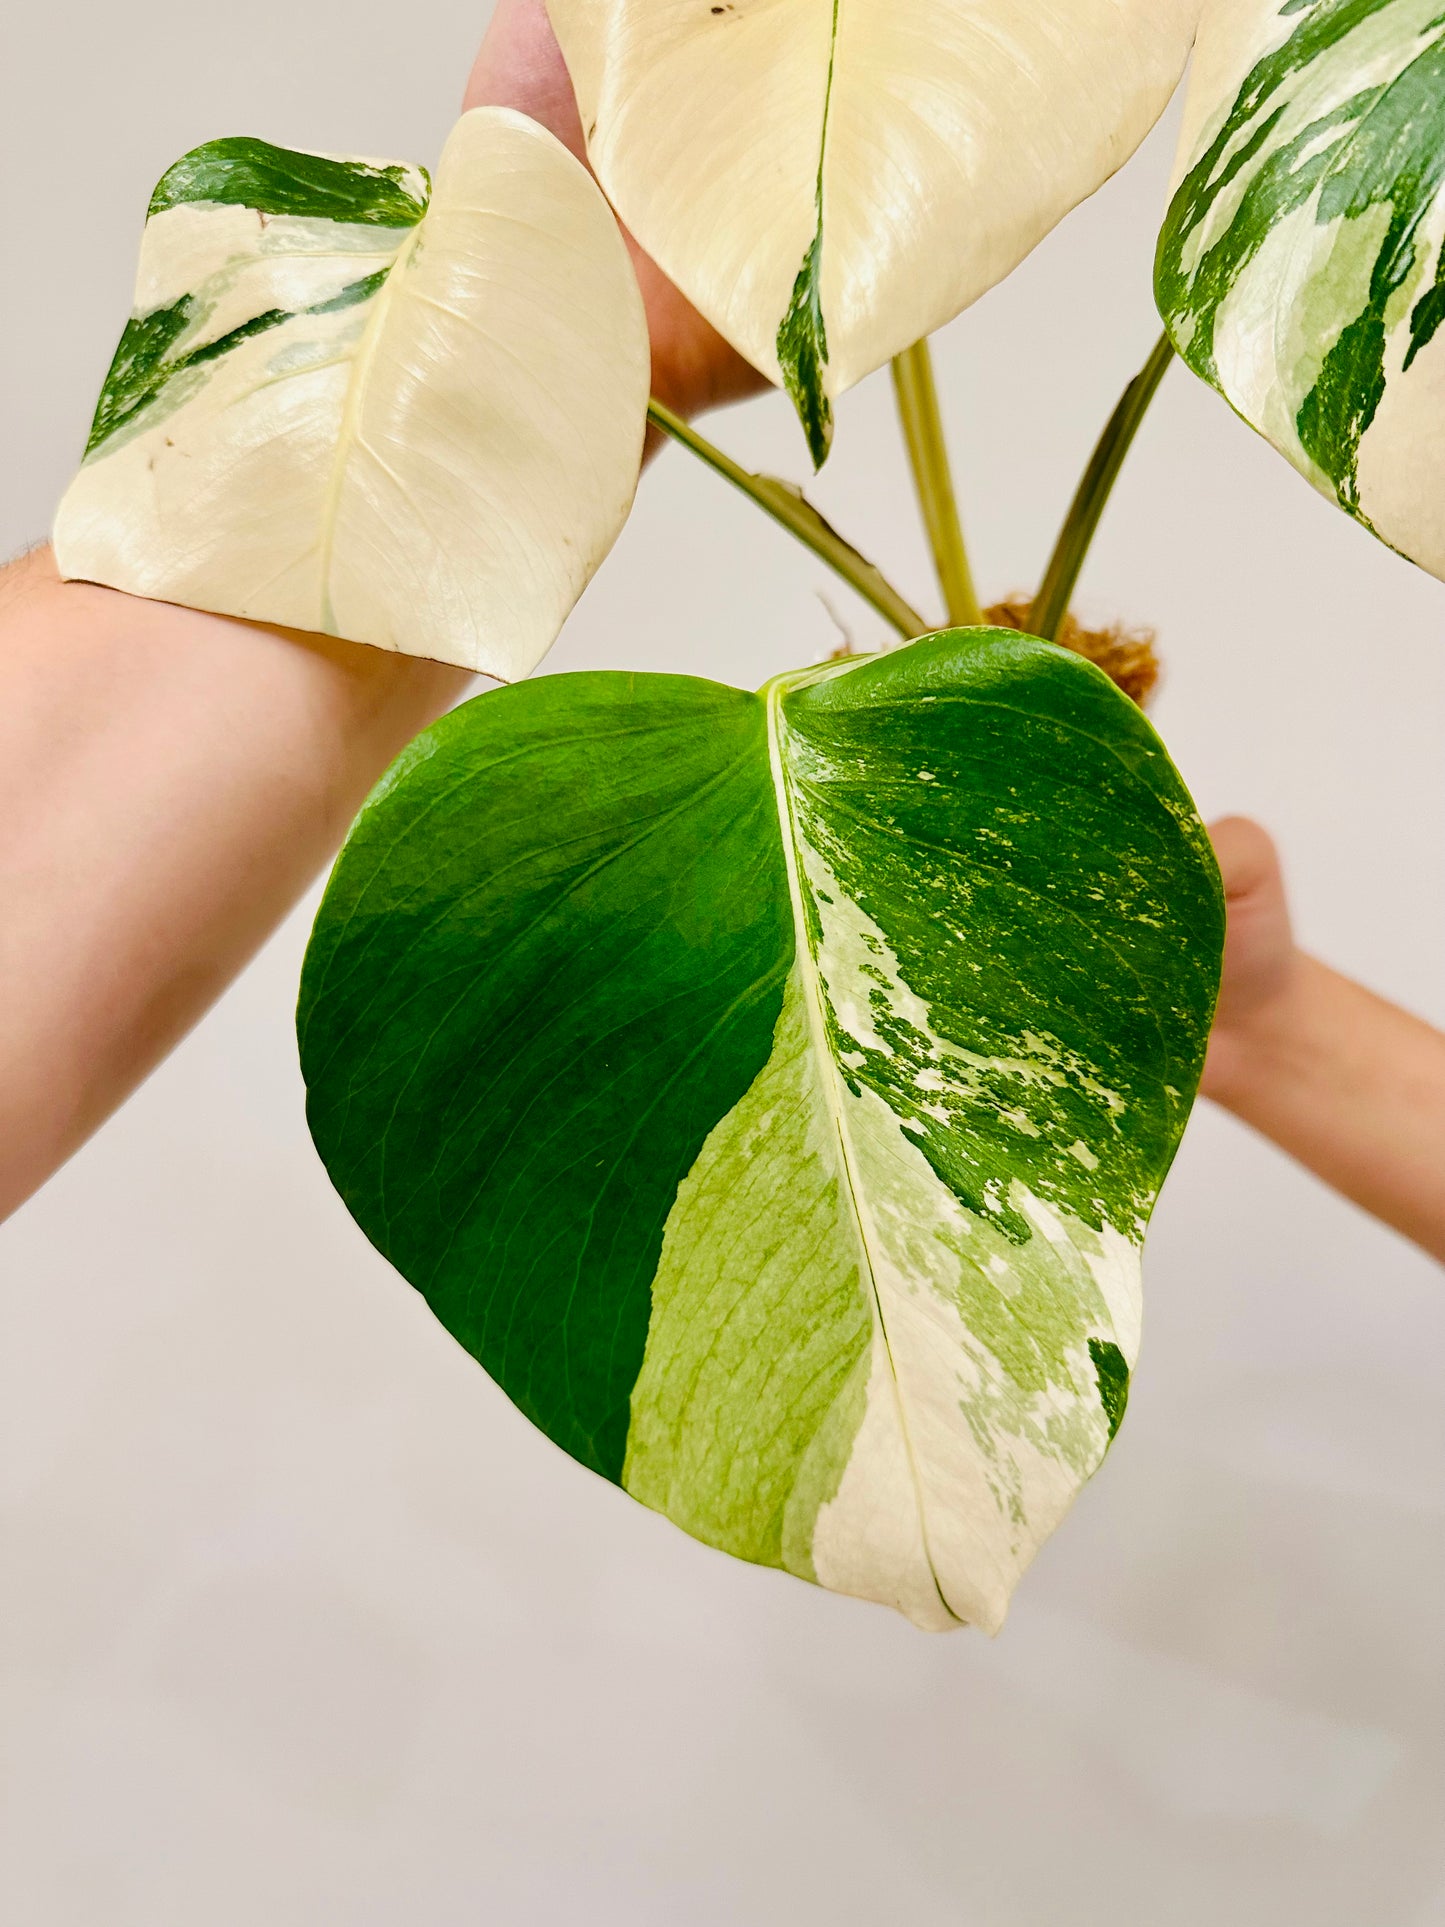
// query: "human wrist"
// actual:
[[355, 704]]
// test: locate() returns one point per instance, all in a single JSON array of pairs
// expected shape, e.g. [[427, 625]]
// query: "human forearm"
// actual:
[[1350, 1085], [170, 782]]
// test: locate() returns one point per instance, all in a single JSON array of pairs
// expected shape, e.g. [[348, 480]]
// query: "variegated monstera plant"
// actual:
[[770, 1090]]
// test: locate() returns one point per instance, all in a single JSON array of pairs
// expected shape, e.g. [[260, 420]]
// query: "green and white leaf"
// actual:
[[1302, 264], [830, 180], [347, 403], [771, 1091]]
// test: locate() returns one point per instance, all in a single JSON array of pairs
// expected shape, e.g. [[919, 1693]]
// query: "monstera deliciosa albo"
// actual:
[[771, 1091]]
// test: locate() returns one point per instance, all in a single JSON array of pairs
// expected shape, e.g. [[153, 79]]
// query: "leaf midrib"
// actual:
[[829, 1078], [348, 432]]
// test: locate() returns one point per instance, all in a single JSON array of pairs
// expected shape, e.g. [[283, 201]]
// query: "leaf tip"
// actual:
[[1111, 1369], [803, 355]]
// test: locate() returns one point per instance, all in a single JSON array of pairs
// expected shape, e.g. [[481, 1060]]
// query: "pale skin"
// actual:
[[1352, 1086], [170, 783]]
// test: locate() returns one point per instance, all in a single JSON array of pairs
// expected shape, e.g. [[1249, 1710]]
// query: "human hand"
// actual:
[[1261, 961], [520, 65], [1350, 1085]]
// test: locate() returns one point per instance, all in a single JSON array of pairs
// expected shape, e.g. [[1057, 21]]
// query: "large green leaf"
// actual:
[[347, 404], [771, 1091], [828, 182], [1302, 264]]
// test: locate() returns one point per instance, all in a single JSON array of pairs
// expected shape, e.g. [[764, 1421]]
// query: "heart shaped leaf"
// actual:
[[1302, 264], [345, 403], [771, 1091], [829, 183]]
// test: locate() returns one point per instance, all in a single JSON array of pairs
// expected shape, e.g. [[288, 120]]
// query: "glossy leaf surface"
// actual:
[[771, 1091], [829, 182], [346, 403], [1302, 265]]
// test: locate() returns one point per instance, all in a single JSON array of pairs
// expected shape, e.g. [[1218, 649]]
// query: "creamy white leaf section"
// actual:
[[425, 438], [927, 145], [1302, 266], [996, 1461], [848, 1371]]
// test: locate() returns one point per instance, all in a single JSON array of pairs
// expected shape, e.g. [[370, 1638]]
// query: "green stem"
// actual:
[[928, 456], [1051, 604], [788, 506]]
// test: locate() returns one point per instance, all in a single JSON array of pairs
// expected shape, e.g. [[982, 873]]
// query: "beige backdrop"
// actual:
[[304, 1625]]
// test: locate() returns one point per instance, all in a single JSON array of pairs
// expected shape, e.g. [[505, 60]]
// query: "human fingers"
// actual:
[[519, 64], [1259, 948], [1248, 860]]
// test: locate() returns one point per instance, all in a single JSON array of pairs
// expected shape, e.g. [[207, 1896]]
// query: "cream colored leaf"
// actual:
[[345, 405], [830, 180]]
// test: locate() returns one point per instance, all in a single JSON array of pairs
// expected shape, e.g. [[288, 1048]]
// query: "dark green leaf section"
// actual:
[[803, 335], [803, 353], [550, 959], [1113, 1376], [1427, 314], [144, 362], [279, 180], [1014, 825], [141, 366], [1377, 154]]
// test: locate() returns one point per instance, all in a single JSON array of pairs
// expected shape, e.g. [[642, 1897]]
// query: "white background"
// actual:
[[304, 1625]]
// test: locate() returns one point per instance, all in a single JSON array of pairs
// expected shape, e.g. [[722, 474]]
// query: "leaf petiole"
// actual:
[[918, 411], [788, 506], [1051, 604]]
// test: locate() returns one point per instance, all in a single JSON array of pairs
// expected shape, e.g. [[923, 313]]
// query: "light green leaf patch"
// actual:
[[1301, 269], [772, 1091], [344, 403]]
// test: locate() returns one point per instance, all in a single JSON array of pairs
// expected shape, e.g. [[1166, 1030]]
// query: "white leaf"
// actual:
[[869, 167], [342, 408]]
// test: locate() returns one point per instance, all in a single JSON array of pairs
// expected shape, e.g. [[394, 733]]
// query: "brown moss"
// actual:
[[1126, 656]]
